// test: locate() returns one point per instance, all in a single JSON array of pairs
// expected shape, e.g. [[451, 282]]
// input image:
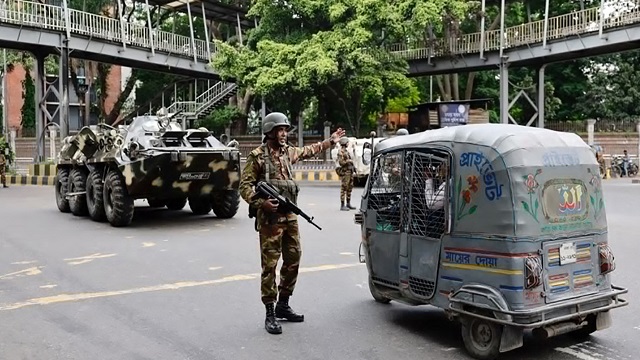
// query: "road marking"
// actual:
[[86, 259], [26, 272], [24, 262], [61, 298], [637, 327], [347, 253], [47, 286], [588, 350], [579, 355], [148, 244], [215, 268]]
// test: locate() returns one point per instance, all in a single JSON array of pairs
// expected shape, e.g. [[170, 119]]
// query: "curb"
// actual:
[[44, 175], [30, 180]]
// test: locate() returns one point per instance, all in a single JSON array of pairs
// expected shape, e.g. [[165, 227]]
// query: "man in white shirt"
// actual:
[[435, 199]]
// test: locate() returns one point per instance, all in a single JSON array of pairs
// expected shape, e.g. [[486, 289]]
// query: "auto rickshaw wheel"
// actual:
[[377, 296], [481, 338]]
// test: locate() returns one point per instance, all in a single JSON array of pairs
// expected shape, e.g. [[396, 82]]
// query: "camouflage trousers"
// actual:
[[346, 187], [282, 238], [3, 178]]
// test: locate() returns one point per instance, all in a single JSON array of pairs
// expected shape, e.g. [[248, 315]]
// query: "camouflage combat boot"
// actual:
[[271, 324], [284, 311], [349, 205]]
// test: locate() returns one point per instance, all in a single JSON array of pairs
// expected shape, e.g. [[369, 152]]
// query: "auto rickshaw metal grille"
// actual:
[[421, 287], [386, 192], [425, 188]]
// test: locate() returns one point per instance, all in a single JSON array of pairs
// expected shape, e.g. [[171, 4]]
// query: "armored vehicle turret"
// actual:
[[101, 170]]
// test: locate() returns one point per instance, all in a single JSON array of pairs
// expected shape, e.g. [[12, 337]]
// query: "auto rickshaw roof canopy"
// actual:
[[501, 137]]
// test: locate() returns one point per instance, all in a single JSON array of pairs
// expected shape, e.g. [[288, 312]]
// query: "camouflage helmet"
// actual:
[[344, 140], [274, 119], [402, 132]]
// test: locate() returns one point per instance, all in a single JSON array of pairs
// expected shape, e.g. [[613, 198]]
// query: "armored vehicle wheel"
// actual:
[[155, 203], [78, 183], [95, 198], [200, 205], [61, 187], [225, 204], [377, 296], [118, 205], [176, 204], [481, 338]]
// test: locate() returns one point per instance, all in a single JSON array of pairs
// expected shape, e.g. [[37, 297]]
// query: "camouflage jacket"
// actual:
[[254, 171], [344, 159], [3, 160]]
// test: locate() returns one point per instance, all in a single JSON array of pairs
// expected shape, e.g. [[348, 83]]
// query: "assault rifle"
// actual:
[[265, 190]]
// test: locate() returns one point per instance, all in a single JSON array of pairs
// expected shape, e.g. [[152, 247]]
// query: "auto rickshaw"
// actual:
[[502, 226]]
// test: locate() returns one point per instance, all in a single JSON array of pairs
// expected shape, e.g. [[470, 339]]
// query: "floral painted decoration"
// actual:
[[596, 199], [466, 194], [531, 183]]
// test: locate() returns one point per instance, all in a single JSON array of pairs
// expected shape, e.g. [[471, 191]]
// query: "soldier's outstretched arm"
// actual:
[[248, 181], [306, 152]]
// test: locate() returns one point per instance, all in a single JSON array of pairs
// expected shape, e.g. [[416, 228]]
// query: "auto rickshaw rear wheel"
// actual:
[[377, 296], [481, 338]]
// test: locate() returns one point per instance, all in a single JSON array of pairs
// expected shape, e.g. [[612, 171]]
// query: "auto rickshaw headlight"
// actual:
[[607, 260], [533, 272]]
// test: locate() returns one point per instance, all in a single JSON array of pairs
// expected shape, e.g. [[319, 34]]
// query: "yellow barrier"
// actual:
[[30, 180]]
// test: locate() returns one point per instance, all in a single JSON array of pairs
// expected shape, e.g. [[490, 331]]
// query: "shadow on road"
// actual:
[[432, 324]]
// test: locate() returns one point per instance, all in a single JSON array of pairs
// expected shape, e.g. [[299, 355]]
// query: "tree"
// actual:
[[29, 105], [330, 50]]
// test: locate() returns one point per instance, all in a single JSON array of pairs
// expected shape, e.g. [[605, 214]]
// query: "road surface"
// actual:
[[177, 286]]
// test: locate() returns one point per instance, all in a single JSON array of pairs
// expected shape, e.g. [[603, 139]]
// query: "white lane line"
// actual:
[[62, 298], [579, 355], [26, 272]]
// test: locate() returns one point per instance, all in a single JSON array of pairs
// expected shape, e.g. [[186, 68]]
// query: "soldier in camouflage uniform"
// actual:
[[271, 162], [346, 175], [3, 164]]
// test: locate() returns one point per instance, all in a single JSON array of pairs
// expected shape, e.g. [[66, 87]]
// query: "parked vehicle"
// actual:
[[360, 150], [617, 167], [102, 170], [502, 226]]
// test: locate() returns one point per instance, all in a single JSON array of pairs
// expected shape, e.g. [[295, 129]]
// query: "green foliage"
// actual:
[[29, 105], [612, 93], [401, 104], [331, 50], [220, 118]]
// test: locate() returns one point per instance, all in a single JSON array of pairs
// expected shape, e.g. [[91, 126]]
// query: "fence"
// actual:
[[601, 126]]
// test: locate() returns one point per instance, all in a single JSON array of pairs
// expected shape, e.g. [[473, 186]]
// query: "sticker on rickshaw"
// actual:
[[568, 253]]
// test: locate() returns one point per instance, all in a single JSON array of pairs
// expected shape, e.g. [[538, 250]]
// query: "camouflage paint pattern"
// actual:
[[156, 158], [254, 171], [281, 238], [346, 174], [281, 234]]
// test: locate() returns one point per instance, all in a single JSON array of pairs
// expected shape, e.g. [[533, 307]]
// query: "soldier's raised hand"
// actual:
[[335, 137]]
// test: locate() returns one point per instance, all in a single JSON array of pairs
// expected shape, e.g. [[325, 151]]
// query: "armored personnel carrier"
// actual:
[[101, 170]]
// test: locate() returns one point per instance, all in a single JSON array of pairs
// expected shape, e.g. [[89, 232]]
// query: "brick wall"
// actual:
[[14, 96], [15, 101]]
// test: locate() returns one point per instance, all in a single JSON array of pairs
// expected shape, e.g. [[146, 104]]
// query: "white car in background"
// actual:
[[360, 151]]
